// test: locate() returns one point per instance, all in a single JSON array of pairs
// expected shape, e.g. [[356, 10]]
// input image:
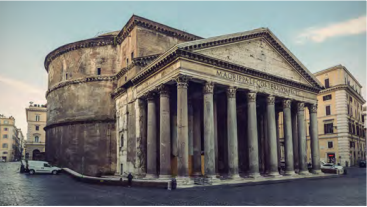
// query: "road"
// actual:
[[50, 190]]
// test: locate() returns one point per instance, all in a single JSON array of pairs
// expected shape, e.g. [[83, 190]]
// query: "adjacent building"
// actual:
[[340, 117], [36, 137], [10, 139], [148, 99]]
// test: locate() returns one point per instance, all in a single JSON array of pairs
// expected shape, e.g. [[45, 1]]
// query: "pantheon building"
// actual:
[[159, 102]]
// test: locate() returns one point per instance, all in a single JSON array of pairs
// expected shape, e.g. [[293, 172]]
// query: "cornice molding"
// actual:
[[94, 42], [266, 35], [118, 92], [179, 53], [80, 121], [155, 26], [346, 87], [80, 80]]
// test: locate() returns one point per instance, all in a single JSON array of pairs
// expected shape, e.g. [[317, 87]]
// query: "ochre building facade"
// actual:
[[159, 102], [36, 115]]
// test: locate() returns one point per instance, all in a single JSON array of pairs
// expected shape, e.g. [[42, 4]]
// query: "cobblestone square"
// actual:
[[23, 189]]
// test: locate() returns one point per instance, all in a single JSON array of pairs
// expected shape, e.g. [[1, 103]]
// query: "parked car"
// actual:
[[362, 163], [332, 166], [41, 167]]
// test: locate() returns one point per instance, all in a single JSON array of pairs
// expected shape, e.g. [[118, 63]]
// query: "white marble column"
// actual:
[[315, 150], [272, 137], [209, 148], [151, 137], [252, 135], [182, 128], [164, 133], [232, 133], [288, 142], [302, 143]]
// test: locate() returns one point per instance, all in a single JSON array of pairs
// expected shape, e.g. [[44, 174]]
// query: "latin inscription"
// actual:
[[255, 82]]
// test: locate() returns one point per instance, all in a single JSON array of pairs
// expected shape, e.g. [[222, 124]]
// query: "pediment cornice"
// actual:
[[190, 55], [258, 33]]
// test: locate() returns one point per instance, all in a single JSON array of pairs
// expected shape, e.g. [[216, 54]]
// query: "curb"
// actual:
[[116, 181]]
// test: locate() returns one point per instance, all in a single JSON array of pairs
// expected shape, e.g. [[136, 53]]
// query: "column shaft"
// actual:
[[302, 143], [165, 133], [196, 164], [288, 142], [252, 135], [272, 137], [182, 127], [232, 133], [295, 139], [209, 151], [151, 138], [315, 150]]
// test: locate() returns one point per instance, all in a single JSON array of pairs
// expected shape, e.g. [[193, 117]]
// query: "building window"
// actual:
[[351, 99], [98, 71], [37, 118], [36, 139], [329, 144], [127, 62], [328, 97], [4, 153], [5, 129], [351, 144], [328, 110], [5, 146], [329, 128], [66, 76], [6, 122], [132, 55], [5, 136], [327, 83], [37, 128]]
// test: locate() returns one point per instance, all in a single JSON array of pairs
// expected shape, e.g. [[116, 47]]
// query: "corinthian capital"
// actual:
[[287, 103], [251, 96], [163, 90], [208, 87], [231, 92], [300, 106], [182, 81], [149, 95], [313, 108], [270, 100]]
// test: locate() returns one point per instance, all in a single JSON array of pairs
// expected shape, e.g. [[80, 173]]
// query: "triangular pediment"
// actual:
[[259, 50], [257, 54]]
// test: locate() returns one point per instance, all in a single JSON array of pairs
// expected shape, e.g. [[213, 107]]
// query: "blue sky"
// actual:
[[319, 34]]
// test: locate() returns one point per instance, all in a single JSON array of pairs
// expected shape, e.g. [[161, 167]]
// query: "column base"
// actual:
[[184, 180], [254, 175], [274, 174], [317, 172], [289, 173], [150, 176], [304, 172], [165, 177], [234, 177]]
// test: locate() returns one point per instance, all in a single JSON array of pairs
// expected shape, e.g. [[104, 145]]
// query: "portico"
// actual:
[[222, 96]]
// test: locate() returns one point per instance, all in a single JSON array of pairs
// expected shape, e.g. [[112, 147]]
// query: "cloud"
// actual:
[[320, 34], [21, 86]]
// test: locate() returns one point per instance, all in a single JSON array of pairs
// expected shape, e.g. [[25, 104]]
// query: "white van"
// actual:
[[41, 167]]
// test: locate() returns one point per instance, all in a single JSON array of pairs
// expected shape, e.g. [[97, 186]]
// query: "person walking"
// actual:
[[129, 179]]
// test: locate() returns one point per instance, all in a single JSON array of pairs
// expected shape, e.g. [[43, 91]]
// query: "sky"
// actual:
[[319, 34]]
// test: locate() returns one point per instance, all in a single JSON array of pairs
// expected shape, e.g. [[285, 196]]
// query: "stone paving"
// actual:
[[23, 189]]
